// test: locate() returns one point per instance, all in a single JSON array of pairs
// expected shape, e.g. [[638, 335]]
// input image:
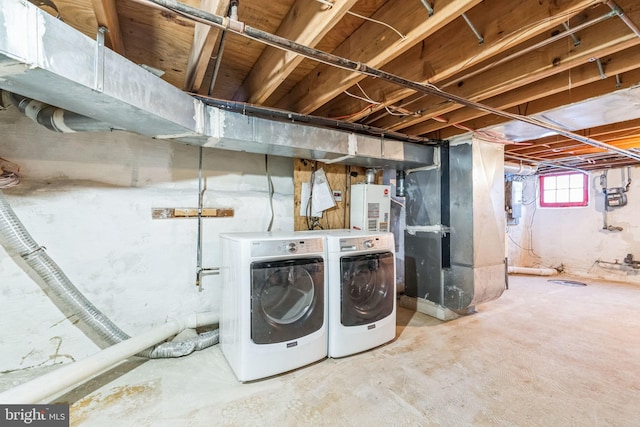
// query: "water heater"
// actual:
[[370, 207]]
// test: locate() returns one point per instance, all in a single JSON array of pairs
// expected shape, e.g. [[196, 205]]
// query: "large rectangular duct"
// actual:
[[235, 131], [454, 242], [45, 59]]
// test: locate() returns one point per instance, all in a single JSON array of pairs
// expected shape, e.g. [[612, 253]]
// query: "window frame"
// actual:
[[585, 191]]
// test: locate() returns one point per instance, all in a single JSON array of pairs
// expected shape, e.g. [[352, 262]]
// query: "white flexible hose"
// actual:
[[70, 374], [535, 271]]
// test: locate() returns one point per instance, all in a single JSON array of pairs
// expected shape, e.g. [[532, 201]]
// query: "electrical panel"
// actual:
[[370, 207], [513, 201]]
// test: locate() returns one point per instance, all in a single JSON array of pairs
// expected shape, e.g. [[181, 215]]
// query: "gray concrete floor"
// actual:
[[542, 355]]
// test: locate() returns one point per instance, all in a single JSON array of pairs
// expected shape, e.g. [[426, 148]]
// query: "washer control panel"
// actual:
[[350, 244], [265, 248]]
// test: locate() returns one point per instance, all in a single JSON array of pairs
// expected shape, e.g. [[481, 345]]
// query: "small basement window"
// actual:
[[564, 190]]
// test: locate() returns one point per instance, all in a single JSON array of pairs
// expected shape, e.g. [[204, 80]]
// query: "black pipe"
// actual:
[[274, 113]]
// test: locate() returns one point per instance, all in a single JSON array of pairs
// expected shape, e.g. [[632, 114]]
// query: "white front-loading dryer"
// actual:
[[273, 314], [362, 290]]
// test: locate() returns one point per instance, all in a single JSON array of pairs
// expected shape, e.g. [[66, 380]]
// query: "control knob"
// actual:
[[368, 244]]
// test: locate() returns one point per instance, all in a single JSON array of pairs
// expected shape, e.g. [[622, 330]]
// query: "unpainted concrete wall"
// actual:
[[574, 238]]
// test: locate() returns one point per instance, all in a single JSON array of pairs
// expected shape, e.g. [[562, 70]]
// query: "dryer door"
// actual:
[[287, 299], [368, 288]]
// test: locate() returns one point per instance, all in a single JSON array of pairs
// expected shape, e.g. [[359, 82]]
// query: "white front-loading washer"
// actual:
[[274, 310], [362, 290]]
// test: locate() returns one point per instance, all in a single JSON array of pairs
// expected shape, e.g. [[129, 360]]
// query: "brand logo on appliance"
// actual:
[[386, 191], [292, 344], [371, 326]]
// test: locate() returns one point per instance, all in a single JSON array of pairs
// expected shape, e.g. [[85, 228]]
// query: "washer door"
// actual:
[[287, 299], [368, 288]]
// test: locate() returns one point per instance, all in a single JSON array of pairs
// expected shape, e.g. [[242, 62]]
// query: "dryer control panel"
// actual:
[[265, 248], [365, 243]]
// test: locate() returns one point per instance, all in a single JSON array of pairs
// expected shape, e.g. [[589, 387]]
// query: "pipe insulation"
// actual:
[[519, 169], [534, 271], [18, 242], [53, 118], [244, 30], [50, 384]]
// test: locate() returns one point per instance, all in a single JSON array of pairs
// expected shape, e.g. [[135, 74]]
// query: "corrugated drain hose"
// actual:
[[17, 241]]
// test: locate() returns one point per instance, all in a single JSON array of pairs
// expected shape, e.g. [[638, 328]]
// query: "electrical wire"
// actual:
[[330, 4], [348, 116], [402, 36], [392, 113], [530, 251], [271, 190], [370, 101], [10, 173], [312, 221]]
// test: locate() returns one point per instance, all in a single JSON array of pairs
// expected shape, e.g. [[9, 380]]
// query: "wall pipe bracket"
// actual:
[[99, 62]]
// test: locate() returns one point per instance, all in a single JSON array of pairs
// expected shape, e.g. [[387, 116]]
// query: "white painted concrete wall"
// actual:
[[574, 237], [88, 199]]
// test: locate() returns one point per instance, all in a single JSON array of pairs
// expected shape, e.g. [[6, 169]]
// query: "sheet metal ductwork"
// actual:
[[46, 60], [454, 240]]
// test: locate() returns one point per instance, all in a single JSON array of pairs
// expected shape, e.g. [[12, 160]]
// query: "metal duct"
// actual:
[[454, 241], [17, 241], [618, 106], [44, 59], [228, 130]]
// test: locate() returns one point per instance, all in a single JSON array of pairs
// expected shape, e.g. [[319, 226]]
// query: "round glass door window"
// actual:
[[368, 288], [365, 289], [287, 294]]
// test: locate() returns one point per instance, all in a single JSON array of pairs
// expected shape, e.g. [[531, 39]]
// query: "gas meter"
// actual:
[[615, 197]]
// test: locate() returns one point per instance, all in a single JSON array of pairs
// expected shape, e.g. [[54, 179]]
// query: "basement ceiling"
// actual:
[[516, 58]]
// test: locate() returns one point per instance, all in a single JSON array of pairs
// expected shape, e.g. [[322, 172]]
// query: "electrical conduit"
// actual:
[[50, 384], [17, 241]]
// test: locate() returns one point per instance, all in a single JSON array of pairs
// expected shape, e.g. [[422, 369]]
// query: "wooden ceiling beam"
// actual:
[[439, 57], [515, 76], [608, 134], [375, 45], [205, 40], [596, 42], [306, 23], [598, 88], [571, 81], [107, 16]]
